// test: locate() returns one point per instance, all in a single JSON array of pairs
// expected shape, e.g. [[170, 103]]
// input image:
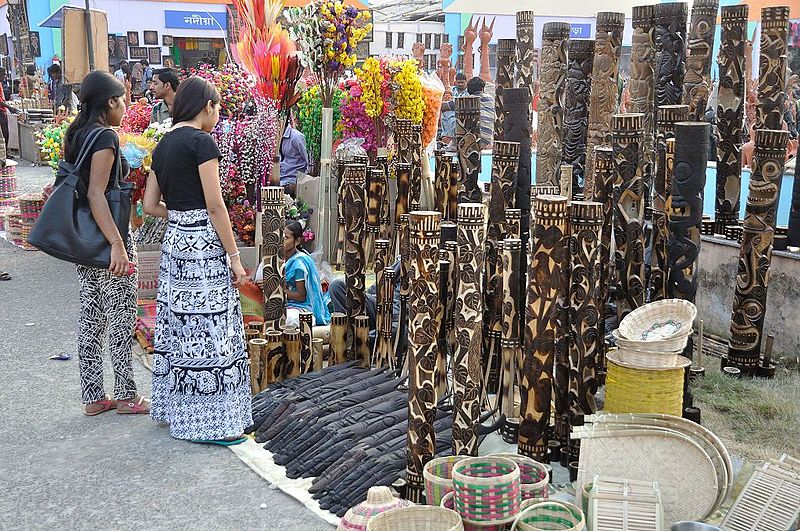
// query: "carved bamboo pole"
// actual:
[[376, 188], [403, 173], [555, 42], [504, 79], [565, 181], [697, 82], [317, 348], [291, 349], [755, 256], [254, 358], [468, 133], [730, 115], [383, 351], [536, 382], [561, 362], [415, 183], [353, 199], [576, 108], [685, 208], [510, 341], [628, 137], [340, 221], [424, 229], [517, 128], [263, 353], [772, 63], [401, 338], [668, 116], [452, 190], [603, 193], [670, 29], [468, 330], [441, 182], [643, 54], [451, 247], [361, 343], [585, 271], [338, 344], [275, 357], [272, 224], [381, 257], [441, 337], [306, 335], [525, 75], [605, 72]]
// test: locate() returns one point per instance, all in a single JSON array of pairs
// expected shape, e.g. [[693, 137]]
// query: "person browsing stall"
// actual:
[[164, 86]]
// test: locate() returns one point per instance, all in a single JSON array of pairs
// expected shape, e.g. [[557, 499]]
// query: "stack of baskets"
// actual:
[[645, 372], [8, 184], [30, 206], [14, 226], [550, 515]]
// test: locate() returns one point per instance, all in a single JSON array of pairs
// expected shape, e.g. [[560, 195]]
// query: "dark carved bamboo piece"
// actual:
[[517, 128], [403, 172], [381, 257], [376, 189], [384, 356], [382, 162], [605, 73], [263, 354], [466, 360], [643, 56], [424, 230], [561, 364], [468, 109], [441, 339], [452, 191], [755, 256], [254, 359], [272, 222], [685, 208], [504, 79], [338, 343], [338, 255], [730, 115], [628, 139], [441, 183], [576, 108], [510, 341], [415, 184], [361, 343], [291, 348], [451, 248], [353, 199], [526, 53], [585, 271], [555, 42], [306, 335], [668, 116], [275, 357], [670, 25], [697, 82], [772, 63], [536, 373]]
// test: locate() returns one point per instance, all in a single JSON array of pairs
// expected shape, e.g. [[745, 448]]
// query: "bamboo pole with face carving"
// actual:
[[555, 42], [700, 44], [670, 30], [772, 62], [643, 54], [469, 152], [576, 109]]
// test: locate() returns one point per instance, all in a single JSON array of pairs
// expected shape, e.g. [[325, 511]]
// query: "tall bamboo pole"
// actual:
[[272, 224], [555, 42], [576, 108]]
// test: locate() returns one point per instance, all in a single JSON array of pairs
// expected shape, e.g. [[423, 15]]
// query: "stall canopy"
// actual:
[[540, 7]]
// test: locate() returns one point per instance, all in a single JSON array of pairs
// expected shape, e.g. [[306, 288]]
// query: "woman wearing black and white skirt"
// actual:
[[201, 377]]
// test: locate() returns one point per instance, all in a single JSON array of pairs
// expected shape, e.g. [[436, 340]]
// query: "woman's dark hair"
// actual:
[[296, 229], [168, 77], [475, 86], [191, 98], [30, 70], [96, 89], [54, 69]]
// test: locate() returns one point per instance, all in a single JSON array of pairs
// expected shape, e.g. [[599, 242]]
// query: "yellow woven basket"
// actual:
[[632, 390]]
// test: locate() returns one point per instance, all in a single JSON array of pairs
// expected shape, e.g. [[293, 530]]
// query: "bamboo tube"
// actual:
[[272, 225], [306, 335], [291, 346], [318, 352], [338, 344], [361, 342], [274, 357], [553, 57], [254, 358]]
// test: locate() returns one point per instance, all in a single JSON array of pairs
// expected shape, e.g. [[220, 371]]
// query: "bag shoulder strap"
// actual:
[[88, 144]]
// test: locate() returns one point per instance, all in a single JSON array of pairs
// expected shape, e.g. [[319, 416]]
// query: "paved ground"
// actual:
[[62, 470]]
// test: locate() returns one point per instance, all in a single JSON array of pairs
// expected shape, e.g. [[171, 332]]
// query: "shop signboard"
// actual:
[[199, 20], [580, 31]]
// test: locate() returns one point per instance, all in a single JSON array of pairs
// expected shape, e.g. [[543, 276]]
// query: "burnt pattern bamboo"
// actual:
[[643, 56], [700, 44], [772, 62], [553, 67], [510, 341], [469, 151], [670, 28], [504, 79], [576, 108], [338, 343], [306, 335], [272, 222], [291, 348], [526, 53], [353, 192]]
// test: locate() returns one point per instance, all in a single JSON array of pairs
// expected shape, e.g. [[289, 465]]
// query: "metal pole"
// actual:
[[89, 41]]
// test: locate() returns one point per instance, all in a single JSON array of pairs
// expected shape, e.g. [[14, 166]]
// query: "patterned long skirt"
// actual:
[[201, 377]]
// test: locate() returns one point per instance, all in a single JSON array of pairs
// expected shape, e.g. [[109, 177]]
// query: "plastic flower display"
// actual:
[[234, 85], [51, 142], [309, 118], [356, 123], [136, 118], [407, 98], [138, 150]]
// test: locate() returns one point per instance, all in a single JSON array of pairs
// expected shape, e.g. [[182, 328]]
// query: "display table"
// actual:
[[28, 149]]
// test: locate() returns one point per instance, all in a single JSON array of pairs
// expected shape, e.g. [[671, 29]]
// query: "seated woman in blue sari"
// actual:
[[303, 286]]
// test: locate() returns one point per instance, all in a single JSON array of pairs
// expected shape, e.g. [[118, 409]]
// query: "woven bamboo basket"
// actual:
[[662, 319], [550, 515], [438, 475], [643, 390], [487, 489], [533, 476], [448, 502], [641, 358], [418, 518], [675, 343]]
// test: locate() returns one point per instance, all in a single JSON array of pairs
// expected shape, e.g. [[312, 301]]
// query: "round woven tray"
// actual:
[[550, 515], [438, 475], [641, 358], [418, 518], [662, 319], [487, 489], [675, 344]]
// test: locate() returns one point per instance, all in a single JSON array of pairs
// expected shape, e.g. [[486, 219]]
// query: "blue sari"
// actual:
[[302, 267]]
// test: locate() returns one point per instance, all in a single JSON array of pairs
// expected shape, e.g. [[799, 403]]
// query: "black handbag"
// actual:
[[66, 228]]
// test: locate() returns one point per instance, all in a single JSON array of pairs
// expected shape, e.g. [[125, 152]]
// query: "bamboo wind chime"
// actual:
[[468, 312], [536, 372], [555, 42], [424, 231], [272, 225]]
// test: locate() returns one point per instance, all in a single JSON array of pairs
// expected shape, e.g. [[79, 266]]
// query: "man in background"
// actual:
[[147, 75], [475, 87], [164, 85], [4, 108], [449, 110], [294, 158]]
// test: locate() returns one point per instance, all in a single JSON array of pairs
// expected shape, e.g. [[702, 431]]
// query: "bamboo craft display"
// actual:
[[772, 62], [605, 73], [468, 329], [353, 193], [585, 270], [510, 341], [361, 343], [381, 257], [700, 44], [555, 41], [338, 344], [755, 255], [730, 115], [628, 139], [424, 231], [670, 33], [643, 57], [526, 52], [272, 223], [274, 358], [603, 193], [668, 116], [536, 373], [291, 348], [517, 128], [576, 109], [468, 110], [403, 175], [685, 208], [376, 190], [306, 335], [504, 79]]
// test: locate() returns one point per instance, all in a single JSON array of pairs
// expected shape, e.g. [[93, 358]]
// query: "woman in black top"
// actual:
[[201, 376], [108, 296]]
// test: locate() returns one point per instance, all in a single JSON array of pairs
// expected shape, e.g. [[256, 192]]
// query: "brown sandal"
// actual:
[[101, 406], [137, 405]]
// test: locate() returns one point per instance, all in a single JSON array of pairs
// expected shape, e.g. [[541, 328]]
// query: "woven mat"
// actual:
[[260, 460]]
